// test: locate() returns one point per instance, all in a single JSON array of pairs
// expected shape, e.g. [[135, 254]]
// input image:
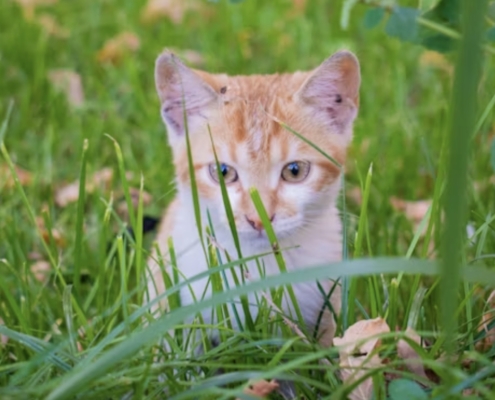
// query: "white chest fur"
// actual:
[[318, 245]]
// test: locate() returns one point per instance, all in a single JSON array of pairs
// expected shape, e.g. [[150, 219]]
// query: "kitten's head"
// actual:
[[243, 113]]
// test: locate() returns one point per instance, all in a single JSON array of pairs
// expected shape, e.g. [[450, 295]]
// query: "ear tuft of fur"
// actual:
[[332, 90], [182, 92]]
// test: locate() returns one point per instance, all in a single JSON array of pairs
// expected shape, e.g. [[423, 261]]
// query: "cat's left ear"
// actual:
[[332, 91]]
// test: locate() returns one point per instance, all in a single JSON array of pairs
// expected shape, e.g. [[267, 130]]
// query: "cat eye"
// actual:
[[229, 174], [295, 171]]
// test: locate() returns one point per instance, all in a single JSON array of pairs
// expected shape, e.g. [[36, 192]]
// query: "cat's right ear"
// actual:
[[183, 94]]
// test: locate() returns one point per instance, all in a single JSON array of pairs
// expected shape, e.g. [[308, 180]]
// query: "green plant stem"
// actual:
[[463, 114]]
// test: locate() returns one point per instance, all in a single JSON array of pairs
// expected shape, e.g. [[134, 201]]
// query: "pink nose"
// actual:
[[256, 223]]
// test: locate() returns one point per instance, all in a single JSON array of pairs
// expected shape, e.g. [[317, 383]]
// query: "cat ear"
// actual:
[[332, 90], [180, 89]]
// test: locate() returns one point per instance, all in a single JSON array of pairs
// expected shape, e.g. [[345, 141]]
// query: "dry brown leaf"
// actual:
[[41, 271], [299, 5], [55, 233], [134, 193], [69, 83], [407, 353], [175, 10], [436, 60], [67, 194], [34, 256], [488, 317], [3, 339], [469, 392], [360, 339], [7, 180], [355, 194], [70, 193], [29, 6], [47, 21], [117, 47], [35, 3], [485, 184], [55, 330], [261, 388], [51, 26], [415, 211], [353, 369]]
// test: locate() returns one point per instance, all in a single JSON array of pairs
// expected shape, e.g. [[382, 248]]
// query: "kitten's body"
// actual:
[[242, 114]]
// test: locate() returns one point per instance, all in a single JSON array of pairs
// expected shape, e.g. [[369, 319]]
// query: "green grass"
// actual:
[[96, 271]]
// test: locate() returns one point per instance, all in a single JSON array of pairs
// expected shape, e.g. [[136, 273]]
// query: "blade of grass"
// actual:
[[484, 116], [123, 282], [463, 114], [69, 316], [79, 260], [138, 234], [125, 184], [360, 234], [308, 142], [5, 122], [265, 219], [346, 283]]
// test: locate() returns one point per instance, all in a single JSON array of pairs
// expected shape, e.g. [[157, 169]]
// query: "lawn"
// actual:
[[78, 104]]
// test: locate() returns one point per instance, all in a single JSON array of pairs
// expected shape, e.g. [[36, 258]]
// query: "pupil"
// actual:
[[294, 169], [224, 169]]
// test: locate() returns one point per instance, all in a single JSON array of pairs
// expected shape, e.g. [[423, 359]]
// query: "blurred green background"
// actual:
[[402, 120], [79, 69]]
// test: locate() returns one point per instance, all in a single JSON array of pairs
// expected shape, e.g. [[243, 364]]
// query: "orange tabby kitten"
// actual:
[[298, 185]]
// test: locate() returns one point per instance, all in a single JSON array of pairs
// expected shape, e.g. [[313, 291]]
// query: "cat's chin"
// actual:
[[260, 238]]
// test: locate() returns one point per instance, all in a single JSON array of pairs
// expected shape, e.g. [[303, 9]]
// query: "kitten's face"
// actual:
[[295, 181]]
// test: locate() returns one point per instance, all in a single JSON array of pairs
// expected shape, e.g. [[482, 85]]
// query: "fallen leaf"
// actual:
[[360, 337], [470, 392], [486, 184], [355, 348], [134, 194], [29, 6], [51, 26], [488, 318], [407, 353], [299, 5], [41, 271], [3, 339], [34, 256], [355, 194], [55, 330], [414, 211], [117, 47], [35, 3], [175, 10], [67, 194], [47, 21], [353, 369], [261, 388], [69, 83], [55, 233], [7, 180], [436, 60], [70, 193]]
